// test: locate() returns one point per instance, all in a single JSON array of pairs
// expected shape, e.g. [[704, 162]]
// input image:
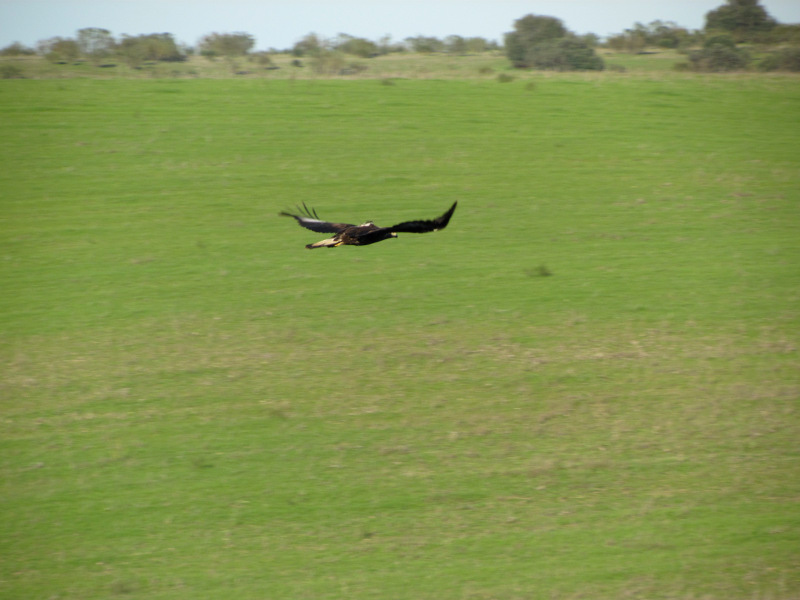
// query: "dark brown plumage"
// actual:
[[366, 233]]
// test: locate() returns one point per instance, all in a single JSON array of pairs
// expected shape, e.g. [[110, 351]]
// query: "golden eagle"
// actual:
[[366, 233]]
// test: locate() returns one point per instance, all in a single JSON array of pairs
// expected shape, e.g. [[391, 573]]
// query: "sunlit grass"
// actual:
[[585, 386]]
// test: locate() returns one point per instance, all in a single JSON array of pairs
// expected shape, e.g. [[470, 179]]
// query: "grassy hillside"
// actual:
[[282, 66], [585, 387], [407, 65]]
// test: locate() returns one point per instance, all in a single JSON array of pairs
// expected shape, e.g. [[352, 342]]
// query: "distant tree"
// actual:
[[630, 41], [590, 39], [661, 34], [529, 31], [386, 45], [533, 29], [425, 45], [743, 19], [58, 49], [226, 44], [544, 43], [477, 44], [132, 51], [667, 34], [455, 44], [326, 57], [16, 49], [310, 45], [354, 45], [155, 46], [95, 43]]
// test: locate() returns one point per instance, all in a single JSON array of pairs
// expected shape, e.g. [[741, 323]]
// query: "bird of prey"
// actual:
[[366, 233]]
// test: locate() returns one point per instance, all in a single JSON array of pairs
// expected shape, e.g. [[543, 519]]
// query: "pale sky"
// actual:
[[279, 24]]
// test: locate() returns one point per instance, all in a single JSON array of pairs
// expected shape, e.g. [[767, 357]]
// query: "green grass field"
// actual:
[[585, 387]]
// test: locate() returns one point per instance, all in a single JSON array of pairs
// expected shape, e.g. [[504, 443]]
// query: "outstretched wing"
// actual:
[[309, 219], [409, 227], [425, 226]]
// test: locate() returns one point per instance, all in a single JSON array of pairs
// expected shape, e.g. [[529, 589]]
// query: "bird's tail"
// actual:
[[329, 243]]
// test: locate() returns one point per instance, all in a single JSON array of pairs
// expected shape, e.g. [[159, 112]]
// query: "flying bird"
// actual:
[[366, 233]]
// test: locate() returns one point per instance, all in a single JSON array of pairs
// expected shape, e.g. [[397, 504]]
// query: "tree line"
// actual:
[[722, 45], [536, 41]]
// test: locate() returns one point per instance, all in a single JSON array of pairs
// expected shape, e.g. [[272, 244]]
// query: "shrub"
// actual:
[[310, 45], [58, 49], [11, 72], [626, 42], [719, 40], [135, 50], [785, 59], [782, 34], [424, 44], [719, 54], [95, 43], [262, 59], [328, 62], [566, 54], [353, 68], [226, 44], [354, 45]]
